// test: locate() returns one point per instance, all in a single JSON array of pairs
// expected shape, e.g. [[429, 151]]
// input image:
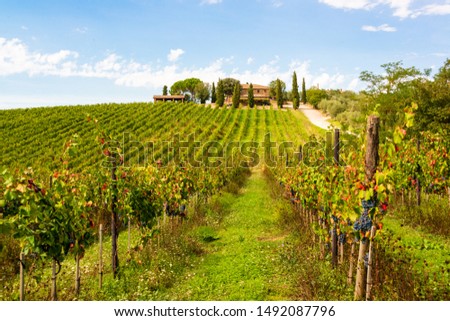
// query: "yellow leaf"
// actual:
[[21, 188]]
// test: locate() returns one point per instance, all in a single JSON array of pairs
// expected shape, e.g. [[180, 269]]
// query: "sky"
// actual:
[[69, 52]]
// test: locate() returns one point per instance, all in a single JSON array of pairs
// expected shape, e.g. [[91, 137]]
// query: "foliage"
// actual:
[[433, 99], [304, 93], [229, 85], [202, 92], [186, 86], [213, 93], [279, 93], [251, 98], [391, 92], [220, 94], [273, 88], [295, 95], [394, 77], [164, 90], [315, 95], [236, 95], [333, 107]]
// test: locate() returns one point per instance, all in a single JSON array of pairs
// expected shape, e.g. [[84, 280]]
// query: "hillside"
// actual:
[[184, 217], [35, 137]]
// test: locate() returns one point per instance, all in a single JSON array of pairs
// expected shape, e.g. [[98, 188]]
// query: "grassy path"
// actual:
[[245, 262]]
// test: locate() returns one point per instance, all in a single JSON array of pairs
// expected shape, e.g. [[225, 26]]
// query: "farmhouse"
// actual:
[[260, 93], [164, 98]]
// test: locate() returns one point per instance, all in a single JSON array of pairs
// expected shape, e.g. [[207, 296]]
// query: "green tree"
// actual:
[[186, 86], [251, 98], [391, 92], [191, 85], [279, 94], [178, 88], [236, 95], [433, 98], [220, 94], [315, 96], [229, 85], [164, 90], [294, 94], [304, 94], [202, 92], [394, 77], [213, 93], [273, 88]]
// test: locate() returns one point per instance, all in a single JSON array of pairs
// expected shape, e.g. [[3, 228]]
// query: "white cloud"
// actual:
[[400, 8], [383, 27], [350, 4], [110, 63], [440, 54], [174, 54], [24, 28], [81, 30], [433, 9], [16, 58], [209, 2], [353, 85], [249, 60], [277, 3]]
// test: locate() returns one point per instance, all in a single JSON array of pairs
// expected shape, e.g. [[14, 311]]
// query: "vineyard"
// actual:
[[109, 199]]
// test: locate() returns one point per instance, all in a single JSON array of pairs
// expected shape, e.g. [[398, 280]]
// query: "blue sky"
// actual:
[[55, 52]]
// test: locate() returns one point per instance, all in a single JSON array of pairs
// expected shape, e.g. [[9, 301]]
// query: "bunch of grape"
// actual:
[[368, 204], [363, 224], [366, 260], [342, 238]]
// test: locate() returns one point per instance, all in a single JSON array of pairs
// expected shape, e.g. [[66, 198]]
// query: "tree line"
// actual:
[[196, 90]]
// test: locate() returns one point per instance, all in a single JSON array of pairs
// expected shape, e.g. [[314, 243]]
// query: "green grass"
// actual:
[[243, 262], [434, 249], [233, 249], [414, 264]]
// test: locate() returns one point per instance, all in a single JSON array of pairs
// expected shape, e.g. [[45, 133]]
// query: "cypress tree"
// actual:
[[303, 92], [165, 90], [279, 94], [251, 98], [220, 99], [295, 94], [236, 95], [213, 93]]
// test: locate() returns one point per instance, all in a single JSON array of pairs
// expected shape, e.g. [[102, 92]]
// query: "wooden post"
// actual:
[[370, 264], [448, 192], [352, 260], [77, 274], [129, 233], [371, 163], [22, 276], [334, 246], [100, 264], [328, 148], [372, 143], [54, 293], [336, 146], [341, 253], [360, 284], [114, 221], [418, 187], [334, 237], [159, 230]]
